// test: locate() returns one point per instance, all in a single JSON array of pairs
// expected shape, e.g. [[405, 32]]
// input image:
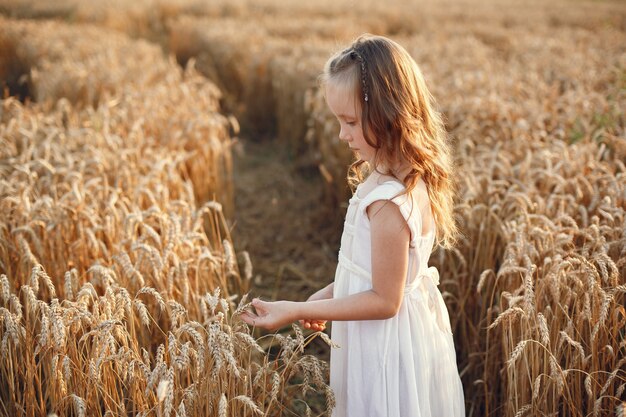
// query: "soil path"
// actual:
[[278, 221]]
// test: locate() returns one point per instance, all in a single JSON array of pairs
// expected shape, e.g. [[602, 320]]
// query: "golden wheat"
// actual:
[[107, 220], [533, 97]]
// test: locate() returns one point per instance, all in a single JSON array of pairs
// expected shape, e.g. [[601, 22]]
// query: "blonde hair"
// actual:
[[400, 121]]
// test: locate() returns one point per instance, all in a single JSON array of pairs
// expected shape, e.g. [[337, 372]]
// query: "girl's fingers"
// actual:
[[317, 325], [247, 318], [257, 302]]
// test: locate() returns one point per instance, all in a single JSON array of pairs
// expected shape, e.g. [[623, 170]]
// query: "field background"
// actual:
[[160, 159]]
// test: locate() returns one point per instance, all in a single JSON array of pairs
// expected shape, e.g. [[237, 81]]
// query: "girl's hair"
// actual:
[[399, 120]]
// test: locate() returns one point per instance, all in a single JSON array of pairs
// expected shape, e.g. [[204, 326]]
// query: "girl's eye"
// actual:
[[351, 123]]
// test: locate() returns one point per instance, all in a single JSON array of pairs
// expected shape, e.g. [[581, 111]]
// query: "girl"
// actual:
[[396, 356]]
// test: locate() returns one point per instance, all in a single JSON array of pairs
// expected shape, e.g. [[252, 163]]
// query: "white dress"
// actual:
[[404, 366]]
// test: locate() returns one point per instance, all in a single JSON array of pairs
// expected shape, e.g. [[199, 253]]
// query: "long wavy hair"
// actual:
[[400, 121]]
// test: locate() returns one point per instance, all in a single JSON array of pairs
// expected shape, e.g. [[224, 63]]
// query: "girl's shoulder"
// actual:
[[414, 206]]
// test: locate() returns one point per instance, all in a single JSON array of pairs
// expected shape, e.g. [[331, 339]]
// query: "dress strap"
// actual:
[[388, 190]]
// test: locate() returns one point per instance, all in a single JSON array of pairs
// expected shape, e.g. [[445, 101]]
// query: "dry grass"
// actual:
[[117, 269], [538, 277], [80, 63], [88, 66]]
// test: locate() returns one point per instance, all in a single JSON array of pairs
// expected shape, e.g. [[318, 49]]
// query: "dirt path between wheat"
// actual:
[[277, 220]]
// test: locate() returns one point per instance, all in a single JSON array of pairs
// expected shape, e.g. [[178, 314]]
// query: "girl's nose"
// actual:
[[343, 136]]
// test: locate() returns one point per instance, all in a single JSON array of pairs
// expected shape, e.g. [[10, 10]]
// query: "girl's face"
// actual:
[[342, 102]]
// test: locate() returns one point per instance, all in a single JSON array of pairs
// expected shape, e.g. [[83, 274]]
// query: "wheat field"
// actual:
[[121, 279]]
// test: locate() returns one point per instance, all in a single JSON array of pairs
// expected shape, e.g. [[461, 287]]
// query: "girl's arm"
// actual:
[[390, 241]]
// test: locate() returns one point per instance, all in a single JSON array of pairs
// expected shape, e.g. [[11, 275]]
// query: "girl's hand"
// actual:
[[269, 315], [317, 325]]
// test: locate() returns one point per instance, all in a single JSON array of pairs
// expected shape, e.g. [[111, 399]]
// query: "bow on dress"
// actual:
[[427, 282]]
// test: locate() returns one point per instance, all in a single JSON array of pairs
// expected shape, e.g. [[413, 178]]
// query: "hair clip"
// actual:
[[357, 57]]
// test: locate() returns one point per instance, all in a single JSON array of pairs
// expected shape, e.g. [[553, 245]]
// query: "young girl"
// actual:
[[396, 356]]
